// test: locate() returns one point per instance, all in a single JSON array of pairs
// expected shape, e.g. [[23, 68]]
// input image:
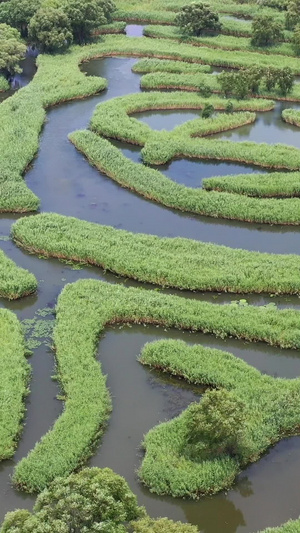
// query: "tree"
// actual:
[[12, 50], [265, 31], [296, 39], [86, 15], [216, 424], [93, 500], [292, 17], [17, 13], [195, 18], [50, 29]]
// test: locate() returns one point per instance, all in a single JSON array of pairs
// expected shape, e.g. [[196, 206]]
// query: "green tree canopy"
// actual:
[[216, 424], [50, 29], [292, 17], [86, 15], [93, 500], [12, 50], [195, 18], [17, 13], [265, 31]]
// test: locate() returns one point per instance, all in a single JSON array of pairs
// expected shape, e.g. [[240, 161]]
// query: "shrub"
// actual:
[[207, 111]]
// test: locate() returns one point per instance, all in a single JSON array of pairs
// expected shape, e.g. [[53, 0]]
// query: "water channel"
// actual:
[[266, 494]]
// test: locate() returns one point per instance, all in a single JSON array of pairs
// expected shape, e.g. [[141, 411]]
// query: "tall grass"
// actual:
[[144, 66], [155, 186], [15, 282], [4, 85], [211, 267], [292, 116], [187, 81], [14, 371], [84, 309], [271, 412], [292, 526]]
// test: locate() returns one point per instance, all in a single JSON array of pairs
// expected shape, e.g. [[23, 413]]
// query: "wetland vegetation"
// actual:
[[229, 66]]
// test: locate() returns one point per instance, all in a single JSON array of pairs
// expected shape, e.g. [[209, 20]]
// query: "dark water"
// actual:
[[266, 493]]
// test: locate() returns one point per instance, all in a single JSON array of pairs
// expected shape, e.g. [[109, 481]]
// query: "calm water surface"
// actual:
[[267, 492]]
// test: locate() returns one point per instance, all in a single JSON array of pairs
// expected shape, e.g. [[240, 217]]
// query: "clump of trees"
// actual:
[[91, 501], [266, 31], [12, 50], [250, 81], [216, 425], [197, 18], [53, 27]]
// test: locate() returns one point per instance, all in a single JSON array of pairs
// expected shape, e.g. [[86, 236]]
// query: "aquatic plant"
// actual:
[[15, 282], [270, 411], [211, 267], [292, 116], [14, 371], [84, 309]]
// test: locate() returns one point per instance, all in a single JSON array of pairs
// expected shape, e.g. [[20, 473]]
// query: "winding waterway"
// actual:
[[266, 493]]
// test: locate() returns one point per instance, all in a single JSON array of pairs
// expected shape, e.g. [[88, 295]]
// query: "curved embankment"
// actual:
[[14, 372], [112, 119], [84, 309], [271, 411], [195, 82], [15, 282], [211, 267], [59, 79], [222, 41], [153, 185]]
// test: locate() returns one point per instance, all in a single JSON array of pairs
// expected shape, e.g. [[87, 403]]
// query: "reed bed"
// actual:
[[292, 526], [292, 116], [195, 82], [271, 412], [84, 309], [15, 282], [153, 185], [211, 267], [270, 185], [14, 371], [143, 66], [59, 79]]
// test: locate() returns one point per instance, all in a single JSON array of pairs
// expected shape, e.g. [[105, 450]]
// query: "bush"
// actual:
[[195, 18], [207, 111]]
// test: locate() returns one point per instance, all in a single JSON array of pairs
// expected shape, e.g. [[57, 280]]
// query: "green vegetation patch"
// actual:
[[155, 186], [292, 526], [292, 116], [84, 309], [14, 371], [175, 465], [211, 267], [15, 282], [273, 184]]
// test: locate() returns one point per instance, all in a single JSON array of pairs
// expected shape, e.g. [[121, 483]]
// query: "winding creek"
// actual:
[[265, 494]]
